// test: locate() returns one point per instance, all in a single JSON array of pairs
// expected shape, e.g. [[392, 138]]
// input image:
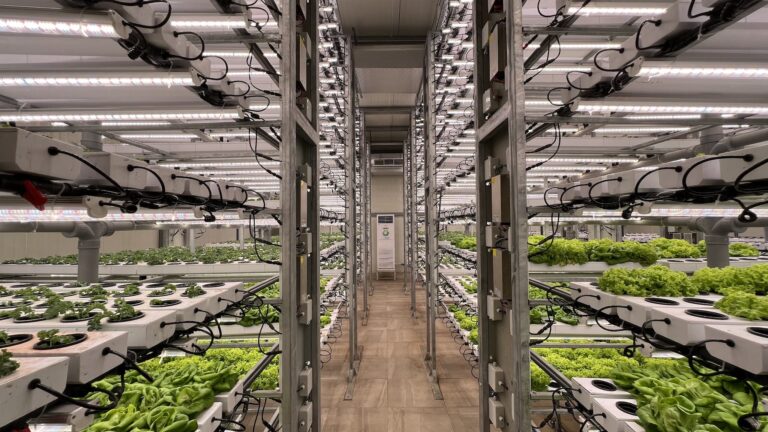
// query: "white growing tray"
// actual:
[[86, 359], [586, 390], [686, 329], [206, 420], [143, 333], [614, 419], [750, 351], [17, 400], [643, 306]]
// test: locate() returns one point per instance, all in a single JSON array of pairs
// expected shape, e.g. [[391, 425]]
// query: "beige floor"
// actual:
[[392, 393]]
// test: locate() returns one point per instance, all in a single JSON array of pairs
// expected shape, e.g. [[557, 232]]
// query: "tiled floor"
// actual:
[[392, 393]]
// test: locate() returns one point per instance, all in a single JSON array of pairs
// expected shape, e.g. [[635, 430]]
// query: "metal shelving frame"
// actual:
[[411, 221], [299, 234], [350, 165], [502, 269], [431, 201]]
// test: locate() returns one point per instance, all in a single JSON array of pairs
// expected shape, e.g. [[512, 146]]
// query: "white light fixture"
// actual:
[[560, 69], [208, 22], [665, 117], [619, 130], [579, 45], [105, 115], [159, 137], [98, 79], [39, 21], [237, 54], [219, 164], [650, 107], [582, 160], [679, 71], [139, 123], [615, 11]]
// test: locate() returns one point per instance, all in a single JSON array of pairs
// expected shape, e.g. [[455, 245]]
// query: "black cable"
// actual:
[[640, 31], [154, 174], [146, 2], [202, 48], [53, 151], [690, 11]]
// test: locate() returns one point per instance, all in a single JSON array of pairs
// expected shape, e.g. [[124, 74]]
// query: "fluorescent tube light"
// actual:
[[649, 107], [103, 115], [580, 45], [704, 72], [38, 21], [97, 79], [616, 11]]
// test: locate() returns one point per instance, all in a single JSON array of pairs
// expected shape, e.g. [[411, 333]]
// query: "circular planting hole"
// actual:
[[627, 407], [175, 263], [706, 314], [23, 285], [160, 295], [108, 284], [693, 260], [156, 285], [54, 285], [604, 385], [16, 340], [134, 318], [758, 331], [79, 337], [28, 319], [165, 303], [69, 319], [699, 301], [675, 260], [662, 301], [594, 284], [183, 285], [214, 285]]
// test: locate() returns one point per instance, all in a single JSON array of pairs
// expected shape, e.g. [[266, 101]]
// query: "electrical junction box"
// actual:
[[305, 243], [305, 382], [497, 50], [496, 413], [495, 311], [302, 63], [303, 199], [496, 378], [500, 199], [305, 417], [502, 271], [116, 167], [23, 152], [493, 237]]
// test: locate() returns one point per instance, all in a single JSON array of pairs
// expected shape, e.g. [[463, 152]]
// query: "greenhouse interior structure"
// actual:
[[383, 215]]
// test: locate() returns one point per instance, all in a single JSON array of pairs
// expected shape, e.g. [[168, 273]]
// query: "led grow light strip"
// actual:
[[101, 115], [615, 11], [97, 79], [39, 21], [663, 108]]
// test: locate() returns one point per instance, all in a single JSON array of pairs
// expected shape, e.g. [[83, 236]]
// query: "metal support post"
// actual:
[[502, 244], [413, 183], [365, 174], [351, 221], [189, 237], [300, 211], [241, 237], [405, 214], [91, 141], [431, 218]]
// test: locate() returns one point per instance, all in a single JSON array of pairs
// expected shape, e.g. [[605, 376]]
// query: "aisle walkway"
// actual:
[[392, 392]]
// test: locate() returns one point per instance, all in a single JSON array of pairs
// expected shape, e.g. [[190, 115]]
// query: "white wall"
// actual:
[[387, 197]]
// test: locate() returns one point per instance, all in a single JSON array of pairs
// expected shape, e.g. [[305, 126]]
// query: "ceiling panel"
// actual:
[[388, 17]]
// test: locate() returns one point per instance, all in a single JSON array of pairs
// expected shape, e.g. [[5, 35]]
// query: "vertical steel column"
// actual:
[[413, 211], [351, 218], [365, 218], [502, 255], [300, 211], [431, 217], [406, 255]]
